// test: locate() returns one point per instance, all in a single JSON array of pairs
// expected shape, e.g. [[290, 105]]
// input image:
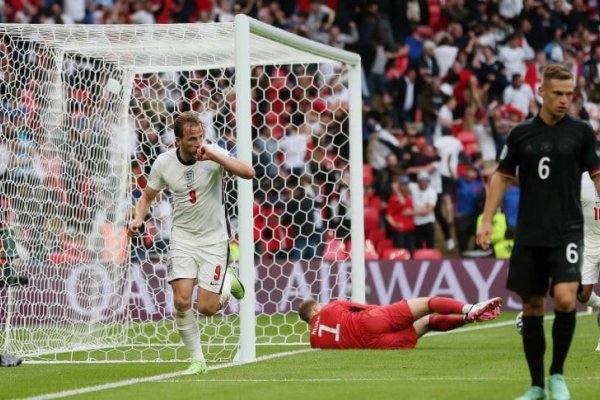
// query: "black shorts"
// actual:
[[448, 186], [531, 268]]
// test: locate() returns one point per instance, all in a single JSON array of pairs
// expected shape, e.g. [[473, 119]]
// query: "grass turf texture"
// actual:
[[466, 364]]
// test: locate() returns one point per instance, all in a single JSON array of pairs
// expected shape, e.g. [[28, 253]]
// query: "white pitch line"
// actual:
[[399, 379], [128, 382]]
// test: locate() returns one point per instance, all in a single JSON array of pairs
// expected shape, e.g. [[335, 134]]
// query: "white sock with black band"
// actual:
[[190, 333]]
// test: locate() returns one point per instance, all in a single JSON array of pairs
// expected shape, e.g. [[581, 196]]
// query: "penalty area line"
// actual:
[[128, 382]]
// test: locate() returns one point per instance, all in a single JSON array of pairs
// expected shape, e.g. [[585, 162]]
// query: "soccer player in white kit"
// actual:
[[590, 268], [198, 250]]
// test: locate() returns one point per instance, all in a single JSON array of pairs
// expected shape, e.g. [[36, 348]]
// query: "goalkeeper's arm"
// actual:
[[141, 210]]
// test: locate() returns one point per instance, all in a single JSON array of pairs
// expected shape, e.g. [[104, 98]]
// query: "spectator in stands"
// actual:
[[294, 148], [339, 208], [378, 56], [414, 41], [373, 22], [384, 177], [335, 37], [485, 139], [400, 215], [555, 49], [456, 11], [445, 53], [406, 98], [299, 214], [424, 199], [222, 12], [320, 16], [510, 205], [431, 99], [427, 64], [445, 116], [592, 76], [382, 142], [520, 96], [449, 149], [265, 147], [502, 239], [470, 195], [492, 74], [513, 57], [501, 122], [56, 16]]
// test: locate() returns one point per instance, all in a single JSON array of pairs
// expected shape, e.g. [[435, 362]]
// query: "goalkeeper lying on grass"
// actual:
[[348, 325]]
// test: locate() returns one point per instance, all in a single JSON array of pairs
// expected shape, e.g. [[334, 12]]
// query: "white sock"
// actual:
[[190, 333], [593, 301], [226, 292], [467, 308]]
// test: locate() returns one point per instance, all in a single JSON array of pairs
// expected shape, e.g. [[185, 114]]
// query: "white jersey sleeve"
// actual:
[[590, 204], [155, 178]]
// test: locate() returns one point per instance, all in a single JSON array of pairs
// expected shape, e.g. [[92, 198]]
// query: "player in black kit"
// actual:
[[548, 154]]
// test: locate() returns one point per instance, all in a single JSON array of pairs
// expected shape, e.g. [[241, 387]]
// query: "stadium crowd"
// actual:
[[444, 82]]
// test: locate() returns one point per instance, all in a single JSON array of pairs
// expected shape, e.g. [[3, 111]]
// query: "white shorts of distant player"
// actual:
[[190, 259], [590, 267]]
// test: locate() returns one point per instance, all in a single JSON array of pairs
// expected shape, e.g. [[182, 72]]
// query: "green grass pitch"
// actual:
[[476, 362]]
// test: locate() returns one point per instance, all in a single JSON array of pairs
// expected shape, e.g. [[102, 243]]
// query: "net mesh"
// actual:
[[85, 112]]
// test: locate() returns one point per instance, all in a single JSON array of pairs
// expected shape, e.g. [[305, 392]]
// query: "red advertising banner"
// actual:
[[96, 292]]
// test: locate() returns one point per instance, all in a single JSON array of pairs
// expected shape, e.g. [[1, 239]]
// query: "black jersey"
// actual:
[[549, 161]]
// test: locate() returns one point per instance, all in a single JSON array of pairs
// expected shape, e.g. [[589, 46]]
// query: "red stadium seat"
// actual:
[[367, 175], [456, 128], [377, 235], [384, 245], [396, 254], [470, 149], [370, 252], [371, 219], [466, 137], [435, 15], [427, 254], [425, 31], [376, 203], [461, 170]]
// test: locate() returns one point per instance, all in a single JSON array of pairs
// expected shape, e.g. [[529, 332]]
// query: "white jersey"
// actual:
[[590, 204], [197, 189]]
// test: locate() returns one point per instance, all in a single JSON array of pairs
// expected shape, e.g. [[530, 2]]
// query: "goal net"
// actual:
[[85, 112]]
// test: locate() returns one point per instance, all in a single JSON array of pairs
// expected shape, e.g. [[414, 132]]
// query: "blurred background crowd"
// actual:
[[444, 81]]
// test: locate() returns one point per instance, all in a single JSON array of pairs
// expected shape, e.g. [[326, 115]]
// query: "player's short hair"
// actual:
[[556, 71], [305, 309], [187, 117]]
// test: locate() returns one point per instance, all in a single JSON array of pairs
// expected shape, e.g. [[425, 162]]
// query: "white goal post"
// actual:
[[244, 26], [86, 109]]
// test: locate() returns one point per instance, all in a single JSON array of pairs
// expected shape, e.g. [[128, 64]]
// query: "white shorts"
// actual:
[[590, 267], [205, 263]]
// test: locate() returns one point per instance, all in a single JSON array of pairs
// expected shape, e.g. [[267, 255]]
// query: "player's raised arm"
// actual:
[[498, 184], [142, 209], [237, 167]]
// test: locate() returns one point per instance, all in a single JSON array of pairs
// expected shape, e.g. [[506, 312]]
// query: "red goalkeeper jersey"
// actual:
[[337, 326]]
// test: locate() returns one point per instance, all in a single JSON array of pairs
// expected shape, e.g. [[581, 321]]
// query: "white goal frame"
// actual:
[[154, 49]]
